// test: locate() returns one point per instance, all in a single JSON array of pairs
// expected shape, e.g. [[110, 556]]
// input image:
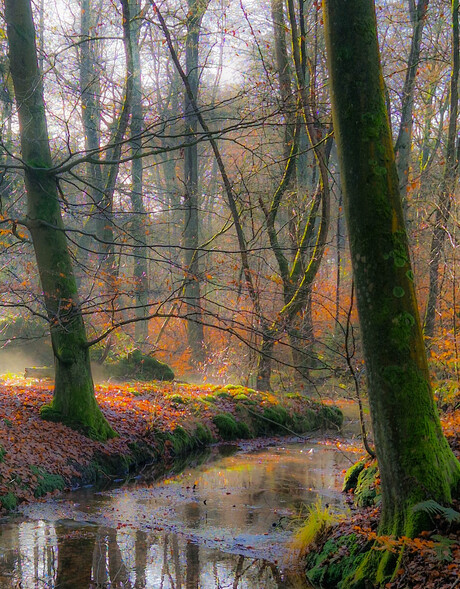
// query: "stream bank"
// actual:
[[225, 521], [155, 422]]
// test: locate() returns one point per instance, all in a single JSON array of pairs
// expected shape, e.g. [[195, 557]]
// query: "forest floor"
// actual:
[[430, 561], [158, 422], [155, 422]]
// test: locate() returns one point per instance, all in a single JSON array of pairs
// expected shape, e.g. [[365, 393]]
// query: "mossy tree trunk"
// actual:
[[73, 401], [414, 458]]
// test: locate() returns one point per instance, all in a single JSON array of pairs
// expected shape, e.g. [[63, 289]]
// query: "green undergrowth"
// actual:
[[317, 524], [362, 479], [328, 557], [9, 501], [229, 428], [47, 482], [194, 418], [337, 559], [138, 366]]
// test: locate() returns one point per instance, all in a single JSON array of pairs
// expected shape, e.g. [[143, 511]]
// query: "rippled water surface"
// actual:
[[225, 523]]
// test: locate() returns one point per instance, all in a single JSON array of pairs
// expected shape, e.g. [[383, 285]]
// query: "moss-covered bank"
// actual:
[[157, 423]]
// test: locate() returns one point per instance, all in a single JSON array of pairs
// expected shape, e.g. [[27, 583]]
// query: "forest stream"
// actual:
[[224, 521]]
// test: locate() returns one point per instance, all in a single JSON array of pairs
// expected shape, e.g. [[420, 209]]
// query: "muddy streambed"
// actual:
[[222, 523]]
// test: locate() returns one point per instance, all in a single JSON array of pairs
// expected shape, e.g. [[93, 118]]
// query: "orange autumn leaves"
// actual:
[[136, 411]]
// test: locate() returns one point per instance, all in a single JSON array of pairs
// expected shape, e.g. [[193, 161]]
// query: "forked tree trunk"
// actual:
[[73, 402], [414, 458]]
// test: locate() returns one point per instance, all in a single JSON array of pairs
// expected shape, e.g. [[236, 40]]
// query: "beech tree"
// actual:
[[139, 218], [73, 402], [448, 184], [195, 333], [415, 461]]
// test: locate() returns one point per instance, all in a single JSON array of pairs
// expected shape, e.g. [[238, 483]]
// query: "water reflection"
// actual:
[[218, 525], [58, 555]]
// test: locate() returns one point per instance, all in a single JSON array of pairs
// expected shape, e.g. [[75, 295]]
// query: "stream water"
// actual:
[[224, 522]]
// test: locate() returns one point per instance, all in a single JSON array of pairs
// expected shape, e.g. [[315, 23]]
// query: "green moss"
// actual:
[[351, 476], [9, 501], [183, 442], [177, 400], [223, 395], [330, 416], [209, 399], [229, 428], [305, 422], [2, 453], [47, 482], [203, 435], [324, 569], [241, 397], [367, 492], [98, 429], [140, 454], [107, 466], [401, 331], [275, 417], [138, 366]]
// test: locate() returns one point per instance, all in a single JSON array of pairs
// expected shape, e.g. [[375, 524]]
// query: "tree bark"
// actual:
[[139, 218], [298, 277], [195, 331], [90, 92], [414, 458], [449, 182], [404, 140], [73, 402]]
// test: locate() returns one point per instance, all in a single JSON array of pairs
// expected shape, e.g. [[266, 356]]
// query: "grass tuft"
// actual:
[[317, 524]]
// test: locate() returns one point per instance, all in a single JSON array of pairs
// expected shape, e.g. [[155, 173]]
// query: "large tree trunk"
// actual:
[[414, 458], [74, 402]]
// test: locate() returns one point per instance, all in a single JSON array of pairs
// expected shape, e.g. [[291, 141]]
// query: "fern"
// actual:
[[443, 547], [433, 508]]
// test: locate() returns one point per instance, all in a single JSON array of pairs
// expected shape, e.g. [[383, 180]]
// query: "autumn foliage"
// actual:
[[143, 414]]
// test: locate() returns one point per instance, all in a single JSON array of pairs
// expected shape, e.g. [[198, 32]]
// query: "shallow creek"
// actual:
[[224, 522]]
